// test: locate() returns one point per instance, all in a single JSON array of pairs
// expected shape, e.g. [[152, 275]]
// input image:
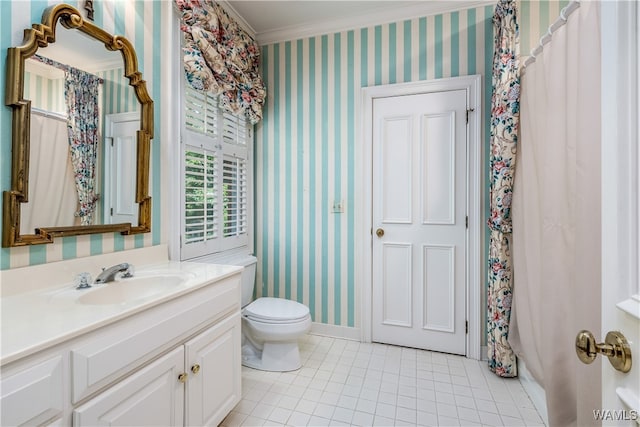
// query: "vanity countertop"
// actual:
[[42, 318]]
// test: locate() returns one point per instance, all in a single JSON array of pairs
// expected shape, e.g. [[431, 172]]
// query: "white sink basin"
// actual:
[[131, 289]]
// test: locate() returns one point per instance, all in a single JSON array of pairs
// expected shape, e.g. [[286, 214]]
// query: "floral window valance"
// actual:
[[221, 58]]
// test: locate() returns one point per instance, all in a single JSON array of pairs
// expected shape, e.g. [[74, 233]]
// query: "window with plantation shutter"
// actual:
[[215, 161]]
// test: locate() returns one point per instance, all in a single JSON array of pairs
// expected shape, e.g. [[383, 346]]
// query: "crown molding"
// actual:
[[239, 19], [378, 17]]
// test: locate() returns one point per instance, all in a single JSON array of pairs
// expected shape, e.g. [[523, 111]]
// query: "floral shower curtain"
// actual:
[[81, 94], [221, 58], [505, 106]]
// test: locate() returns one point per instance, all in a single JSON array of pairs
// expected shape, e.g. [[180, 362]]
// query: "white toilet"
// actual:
[[271, 327]]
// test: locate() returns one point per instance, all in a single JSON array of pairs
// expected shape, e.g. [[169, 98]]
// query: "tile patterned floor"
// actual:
[[350, 383]]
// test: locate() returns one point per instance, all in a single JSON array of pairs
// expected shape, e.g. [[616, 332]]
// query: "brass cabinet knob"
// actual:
[[195, 369], [183, 377], [379, 232], [615, 347]]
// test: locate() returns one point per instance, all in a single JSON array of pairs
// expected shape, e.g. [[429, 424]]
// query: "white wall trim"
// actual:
[[377, 17], [335, 331], [170, 129], [364, 179]]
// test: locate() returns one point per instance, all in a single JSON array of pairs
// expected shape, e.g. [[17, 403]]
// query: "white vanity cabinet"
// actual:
[[174, 363], [197, 383]]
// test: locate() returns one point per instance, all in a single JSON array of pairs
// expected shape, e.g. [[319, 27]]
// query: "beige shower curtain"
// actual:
[[556, 215], [52, 192]]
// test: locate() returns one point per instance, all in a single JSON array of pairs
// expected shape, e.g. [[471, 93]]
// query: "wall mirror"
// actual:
[[62, 185]]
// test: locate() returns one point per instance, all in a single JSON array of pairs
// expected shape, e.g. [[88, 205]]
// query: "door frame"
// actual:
[[620, 199], [474, 270]]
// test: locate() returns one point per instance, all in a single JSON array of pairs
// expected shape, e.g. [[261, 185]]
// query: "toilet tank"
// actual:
[[243, 259], [248, 275], [248, 278]]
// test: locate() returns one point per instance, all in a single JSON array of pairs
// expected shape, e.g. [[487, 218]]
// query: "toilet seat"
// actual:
[[276, 310]]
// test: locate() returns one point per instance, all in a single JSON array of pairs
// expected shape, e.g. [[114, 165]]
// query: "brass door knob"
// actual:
[[183, 377], [195, 369], [379, 232], [615, 347]]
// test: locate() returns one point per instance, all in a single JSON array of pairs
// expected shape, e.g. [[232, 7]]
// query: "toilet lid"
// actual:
[[276, 309]]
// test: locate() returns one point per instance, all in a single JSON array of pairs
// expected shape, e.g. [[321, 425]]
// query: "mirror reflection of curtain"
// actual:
[[81, 93], [49, 162]]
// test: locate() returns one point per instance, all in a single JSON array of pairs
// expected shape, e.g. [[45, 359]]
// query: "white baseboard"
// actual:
[[483, 353], [534, 390], [335, 331]]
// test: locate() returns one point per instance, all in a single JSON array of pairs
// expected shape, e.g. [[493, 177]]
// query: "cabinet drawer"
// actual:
[[34, 395], [120, 348]]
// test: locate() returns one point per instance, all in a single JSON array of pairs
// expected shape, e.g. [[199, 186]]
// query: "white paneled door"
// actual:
[[419, 220], [120, 168]]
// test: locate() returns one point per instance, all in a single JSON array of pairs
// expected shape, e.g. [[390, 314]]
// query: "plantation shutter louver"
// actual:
[[201, 112], [200, 209], [234, 178]]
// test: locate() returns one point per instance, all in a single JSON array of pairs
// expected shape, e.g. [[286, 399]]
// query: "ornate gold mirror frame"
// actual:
[[40, 35]]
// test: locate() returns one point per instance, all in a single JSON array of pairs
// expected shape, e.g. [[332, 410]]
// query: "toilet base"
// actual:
[[275, 356]]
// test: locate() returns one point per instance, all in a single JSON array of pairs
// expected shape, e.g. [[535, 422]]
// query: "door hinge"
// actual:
[[466, 221], [469, 110], [466, 326], [110, 139], [111, 210]]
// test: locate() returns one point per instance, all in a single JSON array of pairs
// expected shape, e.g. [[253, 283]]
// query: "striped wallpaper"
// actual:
[[535, 18], [48, 94], [117, 95], [305, 146], [45, 93], [140, 22]]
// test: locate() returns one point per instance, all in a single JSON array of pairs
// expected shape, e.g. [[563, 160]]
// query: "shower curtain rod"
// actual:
[[46, 113], [562, 19], [61, 66]]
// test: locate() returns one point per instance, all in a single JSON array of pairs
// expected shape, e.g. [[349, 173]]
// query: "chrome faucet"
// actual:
[[109, 274]]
